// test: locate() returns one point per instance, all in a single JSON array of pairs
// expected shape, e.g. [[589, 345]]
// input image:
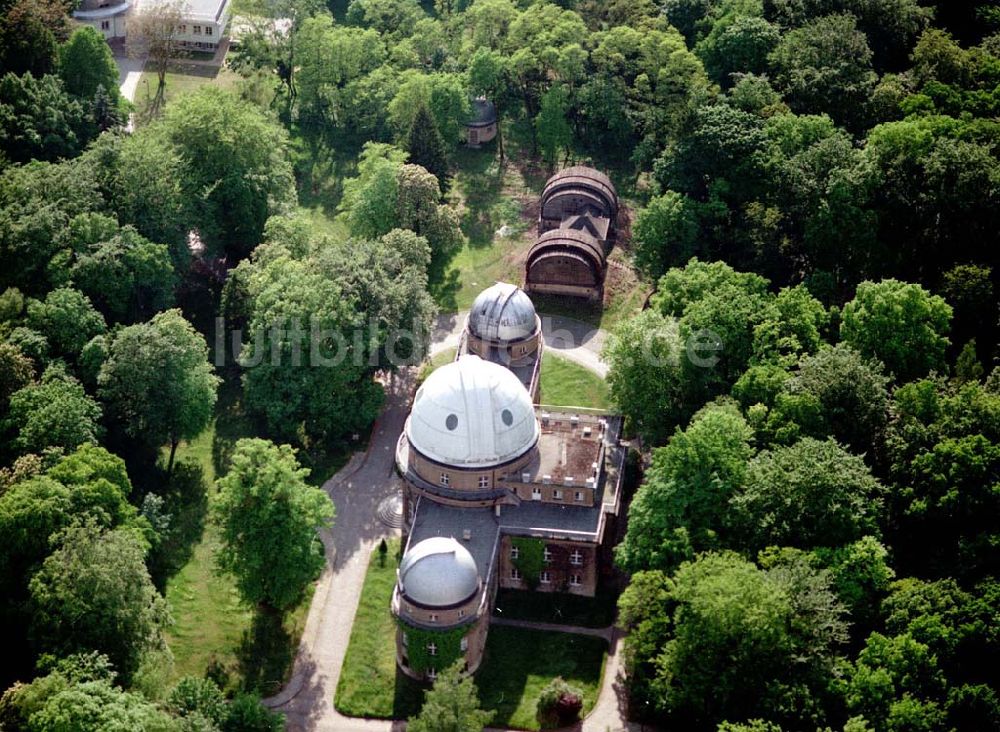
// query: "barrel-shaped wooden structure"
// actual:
[[577, 191], [566, 262]]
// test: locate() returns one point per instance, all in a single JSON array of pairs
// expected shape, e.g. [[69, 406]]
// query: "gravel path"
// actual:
[[307, 700]]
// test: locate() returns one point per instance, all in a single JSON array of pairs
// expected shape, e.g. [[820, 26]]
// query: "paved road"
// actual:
[[307, 701], [129, 71]]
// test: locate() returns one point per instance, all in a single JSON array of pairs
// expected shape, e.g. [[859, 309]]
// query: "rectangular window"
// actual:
[[105, 25], [197, 30], [575, 580], [576, 557], [545, 578], [208, 30], [445, 480], [515, 552], [461, 613], [515, 573], [406, 640], [547, 555], [536, 494], [579, 495], [432, 674], [432, 649], [557, 494], [484, 481], [464, 645], [433, 618], [182, 28]]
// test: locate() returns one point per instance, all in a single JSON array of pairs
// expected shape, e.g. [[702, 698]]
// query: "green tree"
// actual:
[[270, 519], [141, 178], [900, 324], [54, 413], [394, 19], [158, 383], [426, 148], [235, 171], [489, 71], [551, 126], [851, 392], [16, 372], [443, 95], [894, 683], [88, 485], [39, 120], [809, 494], [665, 233], [738, 44], [644, 373], [128, 276], [247, 714], [452, 705], [94, 593], [86, 63], [30, 31], [738, 634], [311, 307], [680, 508], [825, 66], [67, 319]]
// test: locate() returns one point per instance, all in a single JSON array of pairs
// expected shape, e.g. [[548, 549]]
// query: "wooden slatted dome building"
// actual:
[[576, 226]]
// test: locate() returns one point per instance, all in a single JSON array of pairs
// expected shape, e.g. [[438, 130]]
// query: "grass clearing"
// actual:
[[182, 78], [212, 628], [518, 663], [566, 383]]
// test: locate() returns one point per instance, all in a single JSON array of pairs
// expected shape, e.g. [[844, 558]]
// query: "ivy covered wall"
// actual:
[[448, 642], [530, 558]]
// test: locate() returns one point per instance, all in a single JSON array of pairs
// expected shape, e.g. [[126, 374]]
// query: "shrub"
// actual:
[[559, 704]]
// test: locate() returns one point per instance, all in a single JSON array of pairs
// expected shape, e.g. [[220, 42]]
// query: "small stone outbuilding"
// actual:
[[482, 127]]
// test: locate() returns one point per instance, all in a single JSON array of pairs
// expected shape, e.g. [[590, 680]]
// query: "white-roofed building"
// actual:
[[472, 413], [490, 477], [504, 328], [202, 26]]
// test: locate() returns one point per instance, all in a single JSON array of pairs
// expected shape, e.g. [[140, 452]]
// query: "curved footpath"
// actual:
[[307, 700]]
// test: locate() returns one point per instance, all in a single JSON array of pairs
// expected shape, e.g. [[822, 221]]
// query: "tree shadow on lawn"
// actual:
[[266, 652], [444, 289]]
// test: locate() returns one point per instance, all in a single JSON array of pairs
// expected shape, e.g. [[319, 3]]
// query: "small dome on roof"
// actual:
[[484, 113], [438, 572], [472, 413], [503, 312]]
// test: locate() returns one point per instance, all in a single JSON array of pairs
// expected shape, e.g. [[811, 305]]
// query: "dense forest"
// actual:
[[815, 189]]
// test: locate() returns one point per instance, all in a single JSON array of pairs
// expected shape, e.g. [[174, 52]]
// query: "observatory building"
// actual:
[[498, 491], [576, 228]]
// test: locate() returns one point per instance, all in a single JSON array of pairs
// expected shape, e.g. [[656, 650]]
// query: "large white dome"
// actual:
[[504, 313], [438, 572], [472, 414]]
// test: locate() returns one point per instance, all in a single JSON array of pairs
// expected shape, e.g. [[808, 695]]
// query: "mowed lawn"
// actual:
[[370, 683], [211, 626], [182, 78], [518, 664], [565, 383]]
